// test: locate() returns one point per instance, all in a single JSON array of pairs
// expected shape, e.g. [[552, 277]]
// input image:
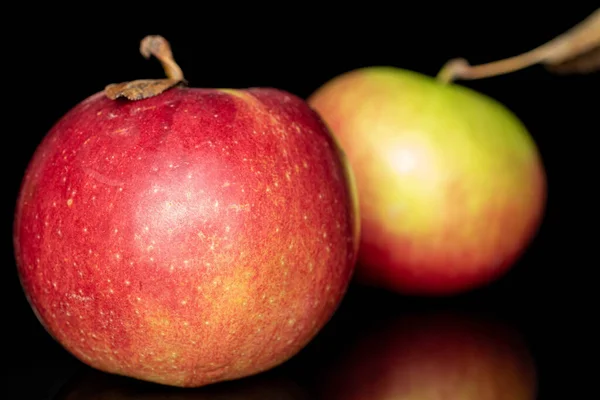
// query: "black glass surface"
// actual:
[[533, 329]]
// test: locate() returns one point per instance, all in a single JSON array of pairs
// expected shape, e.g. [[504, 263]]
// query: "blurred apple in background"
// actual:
[[451, 186], [96, 385], [432, 357]]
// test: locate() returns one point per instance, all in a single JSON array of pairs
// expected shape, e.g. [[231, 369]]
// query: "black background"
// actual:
[[56, 59]]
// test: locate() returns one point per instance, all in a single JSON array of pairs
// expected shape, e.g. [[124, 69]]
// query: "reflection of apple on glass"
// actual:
[[433, 357], [96, 385]]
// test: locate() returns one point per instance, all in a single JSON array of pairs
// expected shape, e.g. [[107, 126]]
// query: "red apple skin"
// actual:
[[434, 357], [197, 236], [451, 186]]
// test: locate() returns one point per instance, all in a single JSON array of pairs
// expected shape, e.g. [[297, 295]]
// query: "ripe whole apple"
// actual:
[[451, 185], [190, 237], [435, 357]]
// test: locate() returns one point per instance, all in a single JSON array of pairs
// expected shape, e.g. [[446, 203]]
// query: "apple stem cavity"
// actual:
[[157, 46], [575, 51]]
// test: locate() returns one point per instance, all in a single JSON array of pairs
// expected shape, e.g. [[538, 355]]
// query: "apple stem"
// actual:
[[158, 47], [582, 39]]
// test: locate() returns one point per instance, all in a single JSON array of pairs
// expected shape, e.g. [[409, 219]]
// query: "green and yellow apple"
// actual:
[[451, 185]]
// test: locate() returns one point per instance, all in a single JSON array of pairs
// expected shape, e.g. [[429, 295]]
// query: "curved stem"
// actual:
[[143, 88], [582, 38], [159, 47]]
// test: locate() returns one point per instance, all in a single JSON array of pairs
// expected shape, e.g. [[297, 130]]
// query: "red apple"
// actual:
[[434, 357], [193, 236], [450, 183], [94, 385]]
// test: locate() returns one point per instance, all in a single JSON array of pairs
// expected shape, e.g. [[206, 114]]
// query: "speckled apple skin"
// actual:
[[197, 236], [451, 186]]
